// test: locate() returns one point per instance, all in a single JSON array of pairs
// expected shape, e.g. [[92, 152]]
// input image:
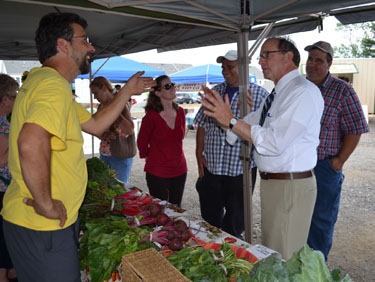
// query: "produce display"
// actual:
[[105, 241], [306, 265], [115, 222], [102, 187], [200, 264]]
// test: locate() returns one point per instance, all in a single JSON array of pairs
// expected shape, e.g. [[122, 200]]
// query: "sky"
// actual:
[[208, 55]]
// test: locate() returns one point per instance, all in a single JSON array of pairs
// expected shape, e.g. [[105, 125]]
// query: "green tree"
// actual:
[[368, 42], [361, 39]]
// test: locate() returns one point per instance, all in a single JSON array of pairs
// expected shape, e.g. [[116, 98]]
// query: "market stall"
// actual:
[[126, 233]]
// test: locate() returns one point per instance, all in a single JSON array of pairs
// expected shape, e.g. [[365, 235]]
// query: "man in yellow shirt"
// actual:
[[46, 158]]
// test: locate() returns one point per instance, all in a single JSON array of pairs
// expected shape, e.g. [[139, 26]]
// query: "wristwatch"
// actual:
[[233, 121]]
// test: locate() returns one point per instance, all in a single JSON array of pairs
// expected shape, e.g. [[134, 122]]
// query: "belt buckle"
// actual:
[[265, 175]]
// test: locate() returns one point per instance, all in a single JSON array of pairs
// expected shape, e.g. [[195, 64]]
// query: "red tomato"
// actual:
[[230, 240]]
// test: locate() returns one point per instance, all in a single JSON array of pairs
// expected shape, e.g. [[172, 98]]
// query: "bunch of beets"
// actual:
[[168, 232]]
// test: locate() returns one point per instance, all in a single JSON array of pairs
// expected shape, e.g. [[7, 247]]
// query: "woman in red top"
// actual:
[[160, 142]]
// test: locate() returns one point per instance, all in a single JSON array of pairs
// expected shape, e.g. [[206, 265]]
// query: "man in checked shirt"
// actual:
[[219, 165], [342, 124]]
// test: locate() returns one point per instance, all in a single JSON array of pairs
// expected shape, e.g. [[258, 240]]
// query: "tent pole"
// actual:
[[243, 68], [92, 110], [92, 103], [259, 40]]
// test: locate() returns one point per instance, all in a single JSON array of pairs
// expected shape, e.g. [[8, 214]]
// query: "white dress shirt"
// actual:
[[289, 137]]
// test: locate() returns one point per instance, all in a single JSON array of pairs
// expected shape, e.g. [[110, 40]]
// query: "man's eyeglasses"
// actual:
[[266, 54], [85, 38], [169, 86]]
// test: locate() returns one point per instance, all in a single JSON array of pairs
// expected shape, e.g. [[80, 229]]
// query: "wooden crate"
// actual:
[[149, 266]]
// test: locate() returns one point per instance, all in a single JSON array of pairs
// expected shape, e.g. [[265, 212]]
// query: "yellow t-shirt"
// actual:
[[46, 99]]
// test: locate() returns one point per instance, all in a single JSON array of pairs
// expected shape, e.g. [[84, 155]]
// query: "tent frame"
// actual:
[[210, 27]]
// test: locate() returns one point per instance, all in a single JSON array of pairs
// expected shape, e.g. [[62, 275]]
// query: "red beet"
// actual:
[[147, 221], [144, 213], [176, 244], [155, 209], [162, 219], [168, 227], [170, 235], [170, 224], [180, 226], [186, 236], [158, 236]]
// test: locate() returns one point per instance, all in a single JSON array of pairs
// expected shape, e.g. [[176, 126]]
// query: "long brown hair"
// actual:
[[153, 101], [101, 81]]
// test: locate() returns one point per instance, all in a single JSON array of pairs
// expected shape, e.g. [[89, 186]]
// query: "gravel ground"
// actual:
[[353, 249]]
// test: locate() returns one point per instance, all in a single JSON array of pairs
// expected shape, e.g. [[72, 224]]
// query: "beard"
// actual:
[[84, 66], [82, 62]]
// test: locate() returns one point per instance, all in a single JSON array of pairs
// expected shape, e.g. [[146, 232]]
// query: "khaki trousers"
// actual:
[[287, 207]]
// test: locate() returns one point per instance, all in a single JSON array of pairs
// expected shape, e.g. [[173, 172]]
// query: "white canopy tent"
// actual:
[[118, 27]]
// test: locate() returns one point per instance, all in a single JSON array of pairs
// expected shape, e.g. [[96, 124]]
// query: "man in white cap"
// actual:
[[220, 169], [342, 124]]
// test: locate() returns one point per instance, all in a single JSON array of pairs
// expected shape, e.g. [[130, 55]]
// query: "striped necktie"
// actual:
[[266, 107]]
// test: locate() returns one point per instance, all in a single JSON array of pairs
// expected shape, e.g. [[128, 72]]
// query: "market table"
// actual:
[[111, 236], [202, 232]]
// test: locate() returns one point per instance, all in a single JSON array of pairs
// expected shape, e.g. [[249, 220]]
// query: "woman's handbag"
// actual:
[[123, 147]]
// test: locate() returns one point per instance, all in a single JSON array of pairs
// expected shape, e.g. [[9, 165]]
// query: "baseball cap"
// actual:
[[230, 56], [321, 45]]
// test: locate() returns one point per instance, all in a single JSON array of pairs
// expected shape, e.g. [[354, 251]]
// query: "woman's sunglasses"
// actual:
[[169, 85]]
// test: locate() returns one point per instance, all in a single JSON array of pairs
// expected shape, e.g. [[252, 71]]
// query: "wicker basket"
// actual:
[[149, 266]]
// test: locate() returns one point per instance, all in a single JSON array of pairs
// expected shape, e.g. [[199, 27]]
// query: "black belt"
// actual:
[[286, 175]]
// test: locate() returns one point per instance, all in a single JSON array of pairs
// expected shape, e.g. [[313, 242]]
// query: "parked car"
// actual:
[[196, 97], [188, 98]]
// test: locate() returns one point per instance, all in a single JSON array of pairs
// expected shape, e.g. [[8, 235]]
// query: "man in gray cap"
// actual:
[[342, 124], [220, 169]]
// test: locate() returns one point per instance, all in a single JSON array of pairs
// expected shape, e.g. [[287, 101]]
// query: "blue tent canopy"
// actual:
[[119, 69], [202, 74]]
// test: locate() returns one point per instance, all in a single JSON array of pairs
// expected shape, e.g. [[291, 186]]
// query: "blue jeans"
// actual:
[[329, 183], [121, 166]]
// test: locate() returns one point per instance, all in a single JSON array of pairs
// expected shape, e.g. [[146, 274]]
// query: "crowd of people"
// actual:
[[301, 133]]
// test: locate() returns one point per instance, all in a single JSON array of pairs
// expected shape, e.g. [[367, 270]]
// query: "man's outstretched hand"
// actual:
[[215, 107], [137, 84]]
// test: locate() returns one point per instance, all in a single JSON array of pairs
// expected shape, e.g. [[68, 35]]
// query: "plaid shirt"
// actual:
[[223, 158], [342, 115]]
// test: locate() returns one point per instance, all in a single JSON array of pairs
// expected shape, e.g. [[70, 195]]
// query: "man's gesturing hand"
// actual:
[[137, 84], [215, 107]]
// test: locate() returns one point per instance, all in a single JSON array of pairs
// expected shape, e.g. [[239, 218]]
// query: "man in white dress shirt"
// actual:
[[286, 140]]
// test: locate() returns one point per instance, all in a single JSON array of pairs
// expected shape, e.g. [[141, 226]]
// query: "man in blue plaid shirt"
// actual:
[[219, 165], [342, 124]]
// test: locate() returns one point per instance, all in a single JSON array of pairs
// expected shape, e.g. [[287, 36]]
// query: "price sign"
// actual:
[[261, 252]]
